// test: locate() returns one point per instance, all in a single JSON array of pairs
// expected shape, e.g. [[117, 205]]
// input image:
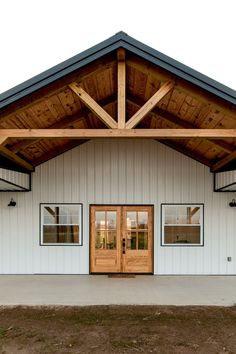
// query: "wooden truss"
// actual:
[[120, 128]]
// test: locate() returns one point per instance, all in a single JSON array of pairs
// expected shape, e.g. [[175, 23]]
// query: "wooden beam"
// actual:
[[218, 165], [3, 140], [93, 106], [169, 117], [66, 122], [121, 89], [15, 158], [149, 105], [118, 133]]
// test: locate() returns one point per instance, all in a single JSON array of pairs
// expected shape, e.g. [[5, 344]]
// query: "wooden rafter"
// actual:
[[218, 165], [150, 104], [118, 133], [169, 117], [15, 158], [93, 106], [121, 89]]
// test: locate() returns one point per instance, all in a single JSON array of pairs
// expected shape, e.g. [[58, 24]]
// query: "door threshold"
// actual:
[[121, 275]]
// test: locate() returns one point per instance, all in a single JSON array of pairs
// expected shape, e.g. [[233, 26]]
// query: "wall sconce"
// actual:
[[232, 204], [12, 203]]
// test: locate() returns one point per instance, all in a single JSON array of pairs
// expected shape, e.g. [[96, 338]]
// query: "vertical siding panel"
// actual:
[[114, 171], [137, 172], [129, 159], [98, 172], [122, 188], [106, 172]]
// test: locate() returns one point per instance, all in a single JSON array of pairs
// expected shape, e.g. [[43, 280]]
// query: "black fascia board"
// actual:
[[121, 39]]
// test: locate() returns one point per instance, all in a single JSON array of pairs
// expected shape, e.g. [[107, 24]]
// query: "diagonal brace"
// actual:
[[93, 106], [150, 104]]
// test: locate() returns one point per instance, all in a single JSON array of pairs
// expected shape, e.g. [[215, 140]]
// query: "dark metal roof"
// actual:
[[121, 39]]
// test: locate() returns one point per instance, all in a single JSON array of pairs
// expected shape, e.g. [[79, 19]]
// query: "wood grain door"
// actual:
[[137, 239], [121, 239]]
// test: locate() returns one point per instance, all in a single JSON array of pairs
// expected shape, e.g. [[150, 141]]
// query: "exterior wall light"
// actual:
[[232, 204], [12, 203]]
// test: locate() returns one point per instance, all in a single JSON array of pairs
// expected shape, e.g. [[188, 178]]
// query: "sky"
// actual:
[[38, 34]]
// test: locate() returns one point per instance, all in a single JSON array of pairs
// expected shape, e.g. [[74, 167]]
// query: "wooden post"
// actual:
[[121, 89]]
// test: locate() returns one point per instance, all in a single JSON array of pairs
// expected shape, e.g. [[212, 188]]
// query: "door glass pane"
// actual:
[[143, 220], [111, 240], [100, 220], [142, 240], [111, 219], [100, 240], [131, 219], [131, 240]]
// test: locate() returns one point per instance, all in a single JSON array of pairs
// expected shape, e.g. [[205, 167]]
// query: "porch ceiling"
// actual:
[[121, 89]]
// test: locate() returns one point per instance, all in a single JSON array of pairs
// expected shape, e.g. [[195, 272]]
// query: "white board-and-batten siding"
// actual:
[[117, 171]]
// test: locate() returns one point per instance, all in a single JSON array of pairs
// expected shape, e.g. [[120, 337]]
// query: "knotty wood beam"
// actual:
[[121, 89], [93, 106], [169, 117], [66, 122], [16, 159], [118, 133], [149, 105], [218, 165]]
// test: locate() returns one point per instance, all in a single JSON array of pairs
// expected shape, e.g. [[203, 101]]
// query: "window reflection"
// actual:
[[106, 232]]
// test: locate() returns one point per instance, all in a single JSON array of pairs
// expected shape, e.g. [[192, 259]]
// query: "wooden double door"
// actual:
[[121, 239]]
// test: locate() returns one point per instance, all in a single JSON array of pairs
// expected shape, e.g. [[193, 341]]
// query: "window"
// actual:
[[182, 224], [61, 224]]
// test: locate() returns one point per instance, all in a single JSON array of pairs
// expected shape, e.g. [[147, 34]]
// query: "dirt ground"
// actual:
[[118, 329]]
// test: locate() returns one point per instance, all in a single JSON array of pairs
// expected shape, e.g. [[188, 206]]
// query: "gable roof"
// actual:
[[121, 39], [46, 101]]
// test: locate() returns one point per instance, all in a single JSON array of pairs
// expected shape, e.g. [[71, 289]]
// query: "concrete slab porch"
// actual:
[[81, 290]]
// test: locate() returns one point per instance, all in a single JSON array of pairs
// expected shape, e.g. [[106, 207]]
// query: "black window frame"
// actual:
[[60, 244]]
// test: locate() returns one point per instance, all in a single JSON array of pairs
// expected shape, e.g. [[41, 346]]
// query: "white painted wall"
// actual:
[[122, 172]]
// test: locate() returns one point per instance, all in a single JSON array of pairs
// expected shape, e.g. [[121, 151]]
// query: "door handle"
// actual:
[[123, 245]]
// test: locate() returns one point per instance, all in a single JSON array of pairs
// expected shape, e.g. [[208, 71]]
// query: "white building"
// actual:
[[112, 162]]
